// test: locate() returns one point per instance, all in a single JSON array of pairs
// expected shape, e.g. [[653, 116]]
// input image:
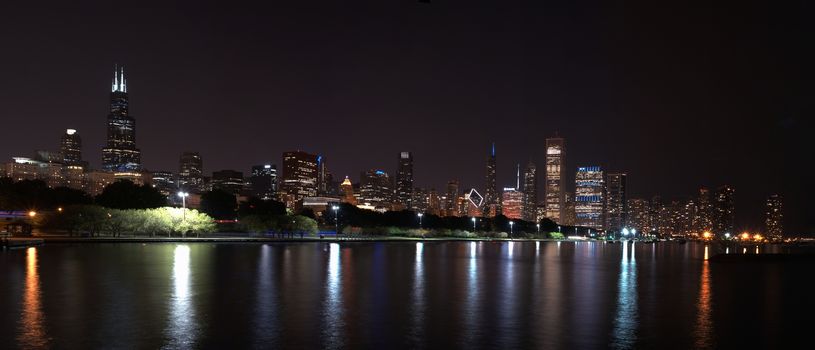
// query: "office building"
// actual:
[[704, 212], [555, 178], [512, 203], [375, 189], [228, 181], [724, 210], [120, 153], [263, 181], [530, 191], [347, 192], [589, 197], [164, 182], [404, 180], [299, 178], [492, 199], [639, 216], [191, 172], [451, 204], [71, 149], [616, 214]]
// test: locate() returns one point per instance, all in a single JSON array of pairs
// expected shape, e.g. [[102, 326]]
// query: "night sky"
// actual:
[[677, 94]]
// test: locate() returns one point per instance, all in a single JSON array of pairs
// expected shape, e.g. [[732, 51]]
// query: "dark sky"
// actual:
[[677, 94]]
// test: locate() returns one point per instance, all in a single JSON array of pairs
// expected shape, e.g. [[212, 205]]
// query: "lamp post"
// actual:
[[473, 224], [538, 225], [625, 232], [183, 196], [511, 223], [336, 209], [420, 219]]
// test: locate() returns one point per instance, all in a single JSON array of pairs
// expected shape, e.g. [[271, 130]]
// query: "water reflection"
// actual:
[[704, 323], [626, 317], [417, 319], [181, 329], [333, 312], [265, 314], [472, 295], [31, 332]]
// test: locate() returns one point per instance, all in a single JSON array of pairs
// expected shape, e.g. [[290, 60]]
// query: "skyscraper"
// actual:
[[774, 217], [71, 148], [555, 178], [164, 182], [299, 178], [375, 188], [725, 210], [512, 203], [120, 153], [451, 205], [492, 200], [347, 189], [404, 180], [530, 203], [325, 181], [704, 212], [229, 181], [616, 204], [589, 197], [191, 172], [264, 181]]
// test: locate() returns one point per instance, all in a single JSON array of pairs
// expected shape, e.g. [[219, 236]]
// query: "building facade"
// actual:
[[299, 178], [555, 179], [228, 181], [774, 217], [376, 189], [120, 153], [512, 203], [589, 197], [530, 191], [191, 172], [724, 210], [616, 214], [71, 148], [492, 199], [404, 180], [639, 215], [263, 181]]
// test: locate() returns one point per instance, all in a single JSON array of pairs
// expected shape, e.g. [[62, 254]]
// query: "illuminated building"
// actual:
[[299, 178], [164, 182], [375, 189], [569, 217], [71, 148], [774, 217], [420, 200], [404, 180], [451, 204], [325, 180], [120, 154], [512, 203], [263, 181], [228, 181], [530, 202], [555, 178], [433, 202], [492, 200], [347, 189], [724, 210], [191, 172], [704, 212], [616, 214], [589, 197], [639, 216], [96, 181]]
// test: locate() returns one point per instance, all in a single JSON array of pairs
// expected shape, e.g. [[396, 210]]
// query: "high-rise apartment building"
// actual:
[[639, 215], [263, 181], [555, 178], [404, 180], [530, 203], [191, 172], [724, 210], [451, 204], [616, 214], [299, 179], [774, 217], [120, 153], [704, 212], [589, 197]]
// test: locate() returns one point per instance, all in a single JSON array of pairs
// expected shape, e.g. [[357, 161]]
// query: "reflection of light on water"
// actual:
[[706, 252], [417, 321], [704, 323], [727, 250], [626, 318], [472, 249], [333, 308], [31, 333], [265, 327], [537, 248], [756, 249], [471, 310], [182, 327], [510, 247], [744, 251]]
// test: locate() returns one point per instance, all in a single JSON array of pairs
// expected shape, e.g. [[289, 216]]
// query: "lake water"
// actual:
[[388, 295]]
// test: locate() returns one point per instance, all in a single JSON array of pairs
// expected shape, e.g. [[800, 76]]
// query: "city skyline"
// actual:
[[191, 102]]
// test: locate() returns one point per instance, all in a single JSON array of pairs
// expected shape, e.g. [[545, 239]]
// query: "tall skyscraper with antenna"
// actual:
[[492, 199], [120, 153]]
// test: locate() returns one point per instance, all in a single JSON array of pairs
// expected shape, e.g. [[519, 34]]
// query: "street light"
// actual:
[[539, 227], [473, 224], [420, 219], [727, 236], [336, 220], [511, 223], [625, 231], [183, 196]]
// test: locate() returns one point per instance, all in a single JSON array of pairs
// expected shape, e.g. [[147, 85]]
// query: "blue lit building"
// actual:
[[589, 197]]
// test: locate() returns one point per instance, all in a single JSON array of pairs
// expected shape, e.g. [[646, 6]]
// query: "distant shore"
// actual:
[[243, 238]]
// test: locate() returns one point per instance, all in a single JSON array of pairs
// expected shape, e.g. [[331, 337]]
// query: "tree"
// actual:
[[219, 204], [302, 225], [124, 194], [257, 206]]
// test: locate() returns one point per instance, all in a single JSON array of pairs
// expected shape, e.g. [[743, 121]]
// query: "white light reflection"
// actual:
[[537, 248], [471, 312], [265, 328], [333, 312], [626, 318], [510, 248], [417, 321], [181, 328]]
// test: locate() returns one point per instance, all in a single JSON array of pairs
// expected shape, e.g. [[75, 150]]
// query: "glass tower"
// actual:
[[120, 153]]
